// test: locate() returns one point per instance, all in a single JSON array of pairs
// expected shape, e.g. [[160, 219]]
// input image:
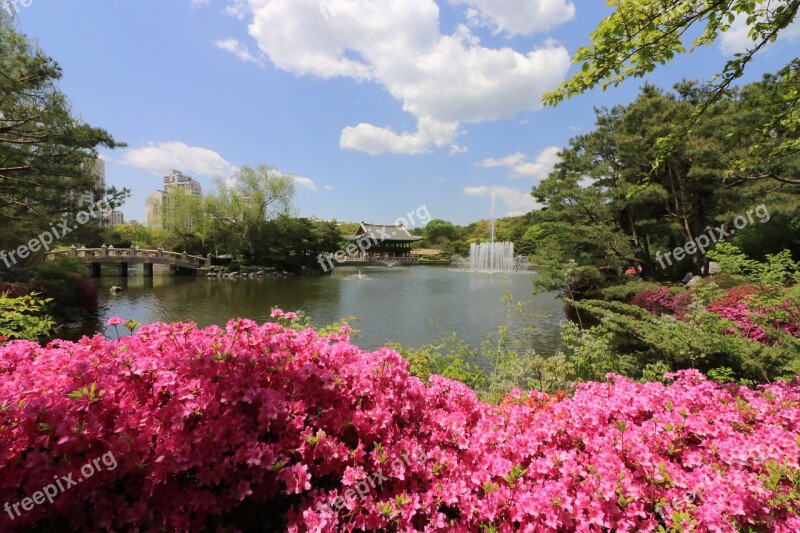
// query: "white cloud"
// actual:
[[374, 140], [198, 3], [518, 202], [736, 39], [518, 16], [236, 9], [455, 149], [521, 167], [507, 161], [441, 80], [306, 183], [327, 187], [160, 159], [239, 50], [458, 82]]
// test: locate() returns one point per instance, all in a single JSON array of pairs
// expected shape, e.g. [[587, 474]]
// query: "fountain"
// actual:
[[358, 276], [491, 256]]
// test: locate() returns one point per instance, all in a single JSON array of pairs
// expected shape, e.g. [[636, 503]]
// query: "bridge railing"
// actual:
[[109, 252]]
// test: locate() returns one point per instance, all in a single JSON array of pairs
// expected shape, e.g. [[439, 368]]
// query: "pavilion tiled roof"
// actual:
[[383, 233]]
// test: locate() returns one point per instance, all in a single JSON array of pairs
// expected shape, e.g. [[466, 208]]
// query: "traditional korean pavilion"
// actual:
[[383, 242]]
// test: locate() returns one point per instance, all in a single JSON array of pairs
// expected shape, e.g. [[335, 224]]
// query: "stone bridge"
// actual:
[[93, 258]]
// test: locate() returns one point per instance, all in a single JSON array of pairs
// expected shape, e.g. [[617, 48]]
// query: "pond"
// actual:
[[411, 305]]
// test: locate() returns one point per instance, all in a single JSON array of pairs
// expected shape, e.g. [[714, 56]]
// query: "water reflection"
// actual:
[[412, 305]]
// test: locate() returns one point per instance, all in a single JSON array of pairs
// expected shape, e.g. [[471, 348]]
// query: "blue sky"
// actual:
[[377, 107]]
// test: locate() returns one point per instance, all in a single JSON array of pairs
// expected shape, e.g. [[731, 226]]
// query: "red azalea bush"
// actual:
[[68, 289], [737, 306], [11, 290], [260, 428], [662, 302]]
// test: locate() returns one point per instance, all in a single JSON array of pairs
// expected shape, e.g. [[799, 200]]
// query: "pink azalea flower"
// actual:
[[207, 424]]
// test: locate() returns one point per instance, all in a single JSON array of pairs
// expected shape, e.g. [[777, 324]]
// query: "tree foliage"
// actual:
[[438, 231], [606, 205], [239, 210], [639, 35], [23, 317], [184, 214], [47, 155]]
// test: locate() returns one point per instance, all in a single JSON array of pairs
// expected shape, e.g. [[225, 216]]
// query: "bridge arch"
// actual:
[[94, 258]]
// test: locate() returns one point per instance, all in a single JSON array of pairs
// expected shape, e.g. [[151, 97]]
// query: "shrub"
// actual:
[[625, 291], [745, 307], [265, 428], [664, 301], [681, 303], [63, 281], [11, 290], [22, 316], [659, 301]]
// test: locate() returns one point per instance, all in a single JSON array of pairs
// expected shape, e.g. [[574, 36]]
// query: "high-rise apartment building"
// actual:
[[177, 180], [90, 197], [116, 217], [157, 199]]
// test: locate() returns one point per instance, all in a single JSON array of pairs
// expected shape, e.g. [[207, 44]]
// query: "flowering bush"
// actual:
[[66, 285], [753, 320], [11, 290], [662, 302], [267, 428]]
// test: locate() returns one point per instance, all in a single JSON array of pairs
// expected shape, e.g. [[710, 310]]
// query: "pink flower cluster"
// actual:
[[736, 306], [662, 301], [260, 427]]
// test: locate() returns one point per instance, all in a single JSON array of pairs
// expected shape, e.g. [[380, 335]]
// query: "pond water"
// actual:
[[411, 305]]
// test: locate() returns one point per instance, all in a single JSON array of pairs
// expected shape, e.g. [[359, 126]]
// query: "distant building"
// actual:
[[117, 217], [177, 180], [157, 199], [90, 197], [382, 242]]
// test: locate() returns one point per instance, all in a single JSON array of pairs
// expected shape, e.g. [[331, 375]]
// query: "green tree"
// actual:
[[47, 155], [641, 34], [239, 211], [439, 232], [184, 215], [127, 235], [606, 204], [529, 241]]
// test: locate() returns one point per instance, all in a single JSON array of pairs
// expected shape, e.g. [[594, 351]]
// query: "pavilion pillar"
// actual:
[[148, 270], [122, 270]]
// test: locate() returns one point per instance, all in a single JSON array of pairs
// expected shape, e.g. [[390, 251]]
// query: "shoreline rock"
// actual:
[[251, 272]]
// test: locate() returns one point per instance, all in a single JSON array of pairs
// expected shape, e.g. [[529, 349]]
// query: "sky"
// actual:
[[376, 107]]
